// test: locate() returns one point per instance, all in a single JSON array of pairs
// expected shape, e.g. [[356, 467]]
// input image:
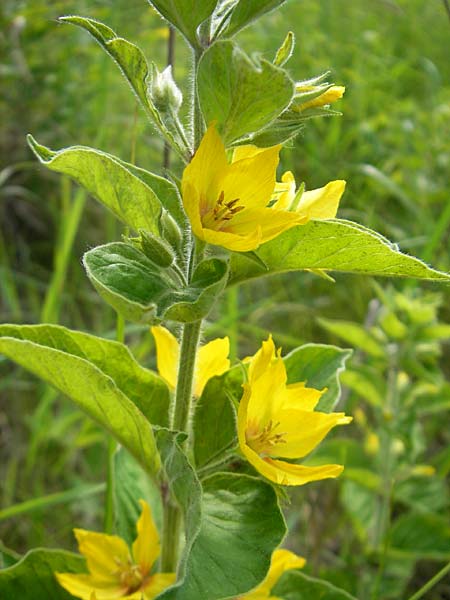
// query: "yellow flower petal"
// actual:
[[331, 95], [284, 192], [323, 202], [261, 359], [103, 554], [146, 547], [271, 222], [252, 180], [158, 583], [212, 360], [282, 560], [284, 473], [246, 151], [167, 354], [232, 241], [302, 431], [84, 586], [191, 203], [206, 169], [299, 396]]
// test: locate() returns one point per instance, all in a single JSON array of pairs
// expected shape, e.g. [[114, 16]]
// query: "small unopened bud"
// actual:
[[165, 93], [330, 95], [171, 230], [156, 249]]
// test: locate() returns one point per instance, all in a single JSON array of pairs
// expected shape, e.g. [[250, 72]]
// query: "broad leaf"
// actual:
[[234, 524], [215, 417], [295, 585], [131, 484], [143, 292], [424, 536], [319, 366], [109, 180], [240, 95], [32, 578], [99, 376], [132, 64], [334, 246], [248, 11], [354, 334], [185, 15]]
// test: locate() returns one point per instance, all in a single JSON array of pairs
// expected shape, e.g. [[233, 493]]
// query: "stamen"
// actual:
[[263, 441], [222, 212]]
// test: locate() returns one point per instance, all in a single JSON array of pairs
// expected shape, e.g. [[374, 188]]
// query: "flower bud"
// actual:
[[170, 230], [156, 249], [165, 93]]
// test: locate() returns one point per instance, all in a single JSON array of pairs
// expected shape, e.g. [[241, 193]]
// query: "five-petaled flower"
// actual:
[[277, 421], [227, 203], [282, 560], [212, 359], [115, 571]]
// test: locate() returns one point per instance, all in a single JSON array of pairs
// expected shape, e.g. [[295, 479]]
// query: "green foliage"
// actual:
[[141, 291], [33, 577], [332, 246], [229, 88], [320, 367], [79, 365], [185, 15], [131, 484], [234, 524], [246, 12], [295, 585], [109, 181]]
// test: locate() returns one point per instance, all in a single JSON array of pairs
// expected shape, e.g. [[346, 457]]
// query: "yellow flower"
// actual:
[[321, 203], [114, 571], [335, 92], [212, 359], [278, 421], [282, 560], [227, 203]]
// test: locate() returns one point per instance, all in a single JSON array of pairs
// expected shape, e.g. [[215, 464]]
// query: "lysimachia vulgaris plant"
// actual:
[[205, 446]]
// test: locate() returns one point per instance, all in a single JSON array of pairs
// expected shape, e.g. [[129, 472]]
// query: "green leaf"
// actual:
[[295, 585], [131, 484], [425, 536], [133, 65], [248, 11], [109, 180], [143, 292], [240, 95], [215, 417], [185, 15], [32, 578], [333, 245], [319, 366], [354, 334], [234, 525], [361, 505], [100, 376], [366, 385]]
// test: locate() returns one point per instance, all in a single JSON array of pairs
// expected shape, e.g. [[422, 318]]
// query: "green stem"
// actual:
[[198, 124], [433, 581]]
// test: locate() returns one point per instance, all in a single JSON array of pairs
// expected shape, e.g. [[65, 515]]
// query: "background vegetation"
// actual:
[[381, 531]]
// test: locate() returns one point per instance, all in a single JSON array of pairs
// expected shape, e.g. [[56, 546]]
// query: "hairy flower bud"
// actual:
[[165, 93]]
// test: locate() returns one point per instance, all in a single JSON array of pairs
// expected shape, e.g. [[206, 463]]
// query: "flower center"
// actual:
[[221, 213], [130, 576], [263, 441]]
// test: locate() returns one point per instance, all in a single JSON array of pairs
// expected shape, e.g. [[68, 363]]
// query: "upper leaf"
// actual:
[[248, 11], [332, 245], [185, 15], [295, 585], [319, 366], [133, 66], [33, 577], [234, 524], [141, 291], [98, 375], [240, 95], [109, 180]]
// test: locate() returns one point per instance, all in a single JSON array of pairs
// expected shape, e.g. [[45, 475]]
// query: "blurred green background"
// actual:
[[391, 145]]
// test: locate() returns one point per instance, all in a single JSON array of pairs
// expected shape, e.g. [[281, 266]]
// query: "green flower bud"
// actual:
[[165, 93], [171, 230], [156, 249]]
